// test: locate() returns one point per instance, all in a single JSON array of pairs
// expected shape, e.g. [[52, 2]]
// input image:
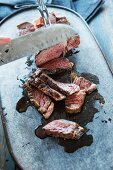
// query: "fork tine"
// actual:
[[44, 12]]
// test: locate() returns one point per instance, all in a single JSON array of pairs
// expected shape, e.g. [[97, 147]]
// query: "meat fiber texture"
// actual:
[[41, 101], [65, 88], [56, 51], [85, 85], [56, 90], [64, 129], [57, 65], [74, 102]]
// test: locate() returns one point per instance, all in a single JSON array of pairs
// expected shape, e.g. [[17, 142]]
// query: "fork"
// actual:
[[44, 12]]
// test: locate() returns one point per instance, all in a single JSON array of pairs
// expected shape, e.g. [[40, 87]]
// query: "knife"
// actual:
[[34, 42]]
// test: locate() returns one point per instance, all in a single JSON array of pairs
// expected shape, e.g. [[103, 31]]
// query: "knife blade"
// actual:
[[34, 42]]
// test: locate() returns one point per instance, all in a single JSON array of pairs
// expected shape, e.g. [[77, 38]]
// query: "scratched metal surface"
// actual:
[[33, 153]]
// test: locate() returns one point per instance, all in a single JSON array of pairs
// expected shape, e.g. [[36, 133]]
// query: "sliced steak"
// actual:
[[74, 102], [25, 28], [64, 88], [73, 42], [56, 51], [34, 77], [51, 92], [52, 17], [62, 20], [57, 65], [85, 85], [41, 101], [50, 54], [64, 129]]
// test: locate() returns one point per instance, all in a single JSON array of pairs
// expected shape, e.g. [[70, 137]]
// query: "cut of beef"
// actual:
[[38, 83], [57, 51], [62, 20], [41, 101], [25, 28], [73, 42], [74, 102], [50, 54], [64, 88], [64, 129], [57, 65], [51, 92], [85, 85]]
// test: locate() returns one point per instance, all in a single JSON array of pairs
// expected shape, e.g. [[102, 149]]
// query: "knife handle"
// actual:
[[4, 40]]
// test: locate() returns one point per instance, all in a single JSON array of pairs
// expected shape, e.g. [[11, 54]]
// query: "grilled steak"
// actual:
[[38, 83], [62, 20], [64, 88], [57, 65], [85, 85], [56, 51], [41, 101], [74, 102], [64, 129], [25, 28], [39, 22], [50, 54], [51, 92]]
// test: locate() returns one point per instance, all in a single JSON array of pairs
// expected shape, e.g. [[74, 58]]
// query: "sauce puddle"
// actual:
[[69, 145], [82, 118]]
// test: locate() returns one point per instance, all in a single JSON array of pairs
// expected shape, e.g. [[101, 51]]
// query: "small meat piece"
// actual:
[[35, 75], [52, 17], [25, 28], [73, 42], [51, 92], [39, 22], [74, 102], [64, 129], [62, 20], [57, 65], [65, 88], [56, 51], [41, 101], [85, 85]]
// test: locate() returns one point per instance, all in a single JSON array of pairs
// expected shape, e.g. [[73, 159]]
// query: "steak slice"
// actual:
[[57, 51], [49, 54], [64, 129], [51, 92], [41, 101], [57, 65], [25, 28], [74, 102], [62, 20], [64, 88], [85, 85], [38, 83]]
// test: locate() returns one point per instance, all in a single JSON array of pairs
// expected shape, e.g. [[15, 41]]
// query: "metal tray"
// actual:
[[32, 153]]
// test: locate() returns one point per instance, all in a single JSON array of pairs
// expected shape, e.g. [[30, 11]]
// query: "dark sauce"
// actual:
[[40, 133], [71, 146], [22, 104]]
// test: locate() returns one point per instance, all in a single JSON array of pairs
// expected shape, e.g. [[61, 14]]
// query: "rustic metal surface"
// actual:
[[34, 153]]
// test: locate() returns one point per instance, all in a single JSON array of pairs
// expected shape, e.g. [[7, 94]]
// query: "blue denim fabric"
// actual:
[[87, 8]]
